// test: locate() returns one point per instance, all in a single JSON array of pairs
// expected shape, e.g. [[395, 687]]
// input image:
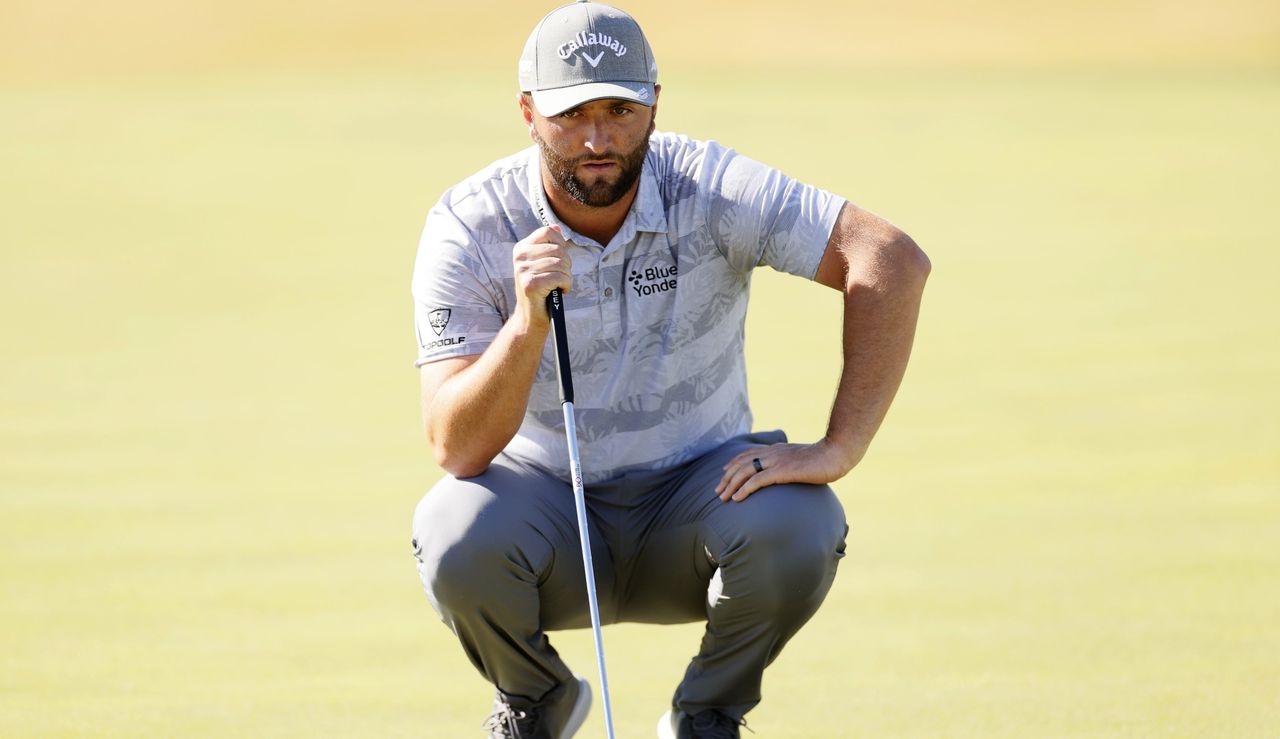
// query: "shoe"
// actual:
[[559, 715], [507, 722], [705, 725], [567, 711]]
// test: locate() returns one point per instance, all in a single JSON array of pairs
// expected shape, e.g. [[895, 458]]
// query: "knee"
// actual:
[[795, 547], [453, 564], [804, 521], [454, 571], [462, 551]]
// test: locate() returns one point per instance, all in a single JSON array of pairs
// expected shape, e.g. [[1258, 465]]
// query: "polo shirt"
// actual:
[[655, 317]]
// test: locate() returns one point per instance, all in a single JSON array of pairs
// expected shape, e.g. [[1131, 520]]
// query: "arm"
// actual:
[[472, 406], [882, 274]]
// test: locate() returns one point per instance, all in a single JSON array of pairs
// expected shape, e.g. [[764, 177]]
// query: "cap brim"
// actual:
[[557, 101]]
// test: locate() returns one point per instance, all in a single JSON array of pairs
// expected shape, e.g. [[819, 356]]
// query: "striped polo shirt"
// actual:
[[655, 317]]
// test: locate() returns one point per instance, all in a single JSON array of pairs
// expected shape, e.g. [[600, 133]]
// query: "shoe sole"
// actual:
[[665, 728], [581, 708]]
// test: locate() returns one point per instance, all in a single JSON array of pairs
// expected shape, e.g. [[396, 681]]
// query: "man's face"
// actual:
[[594, 152]]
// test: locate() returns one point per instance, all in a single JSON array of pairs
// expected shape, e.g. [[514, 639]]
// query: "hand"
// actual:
[[817, 464], [542, 264]]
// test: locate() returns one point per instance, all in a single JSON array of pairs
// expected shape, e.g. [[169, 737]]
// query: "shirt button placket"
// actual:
[[611, 304], [603, 292]]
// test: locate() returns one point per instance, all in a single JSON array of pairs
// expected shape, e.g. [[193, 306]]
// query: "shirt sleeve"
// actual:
[[759, 216], [455, 309]]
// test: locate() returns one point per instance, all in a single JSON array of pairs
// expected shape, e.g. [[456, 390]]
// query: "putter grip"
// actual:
[[555, 307]]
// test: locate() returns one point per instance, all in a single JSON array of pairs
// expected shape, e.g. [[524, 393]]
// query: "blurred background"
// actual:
[[209, 435]]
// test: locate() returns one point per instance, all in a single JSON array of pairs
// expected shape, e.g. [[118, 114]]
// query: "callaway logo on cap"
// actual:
[[584, 52]]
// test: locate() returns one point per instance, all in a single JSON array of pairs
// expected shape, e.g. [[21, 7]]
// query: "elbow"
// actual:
[[909, 259], [890, 260], [456, 461], [899, 264], [459, 465], [460, 470]]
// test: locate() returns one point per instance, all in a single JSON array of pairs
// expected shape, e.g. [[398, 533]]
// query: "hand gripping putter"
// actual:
[[555, 306]]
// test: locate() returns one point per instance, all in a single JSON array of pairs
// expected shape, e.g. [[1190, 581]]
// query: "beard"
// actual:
[[602, 193]]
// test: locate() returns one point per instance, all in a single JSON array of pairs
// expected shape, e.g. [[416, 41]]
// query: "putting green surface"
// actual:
[[209, 439]]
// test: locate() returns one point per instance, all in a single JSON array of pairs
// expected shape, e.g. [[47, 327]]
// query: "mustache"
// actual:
[[608, 156]]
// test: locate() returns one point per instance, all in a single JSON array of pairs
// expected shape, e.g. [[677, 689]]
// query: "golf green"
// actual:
[[209, 435]]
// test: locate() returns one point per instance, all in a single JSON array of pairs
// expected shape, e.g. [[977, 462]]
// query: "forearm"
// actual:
[[476, 412], [473, 407], [881, 307], [881, 273]]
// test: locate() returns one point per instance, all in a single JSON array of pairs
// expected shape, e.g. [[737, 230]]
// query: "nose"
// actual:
[[599, 137]]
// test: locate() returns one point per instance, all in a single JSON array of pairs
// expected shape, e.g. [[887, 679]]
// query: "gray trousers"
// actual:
[[501, 563]]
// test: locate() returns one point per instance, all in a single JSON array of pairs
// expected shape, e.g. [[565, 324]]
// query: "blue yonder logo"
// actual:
[[653, 280]]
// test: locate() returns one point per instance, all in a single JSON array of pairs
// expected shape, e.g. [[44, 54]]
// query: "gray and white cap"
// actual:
[[583, 52]]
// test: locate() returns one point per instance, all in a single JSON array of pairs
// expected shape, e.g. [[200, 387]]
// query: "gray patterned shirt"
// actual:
[[655, 317]]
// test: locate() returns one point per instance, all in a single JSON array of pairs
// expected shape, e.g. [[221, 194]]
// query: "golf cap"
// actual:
[[583, 52]]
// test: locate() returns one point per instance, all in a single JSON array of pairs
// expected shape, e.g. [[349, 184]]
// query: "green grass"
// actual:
[[210, 445]]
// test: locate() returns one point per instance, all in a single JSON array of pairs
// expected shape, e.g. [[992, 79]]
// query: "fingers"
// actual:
[[544, 243], [760, 467], [754, 483], [742, 478], [541, 264], [543, 274], [545, 235]]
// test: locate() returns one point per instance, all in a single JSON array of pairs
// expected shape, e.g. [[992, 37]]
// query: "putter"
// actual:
[[555, 306]]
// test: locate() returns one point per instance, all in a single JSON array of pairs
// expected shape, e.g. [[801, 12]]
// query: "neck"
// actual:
[[601, 224]]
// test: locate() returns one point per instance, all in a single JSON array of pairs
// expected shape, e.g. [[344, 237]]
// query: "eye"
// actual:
[[570, 113], [623, 110]]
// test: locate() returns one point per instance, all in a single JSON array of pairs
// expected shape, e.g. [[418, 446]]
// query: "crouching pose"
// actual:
[[693, 516]]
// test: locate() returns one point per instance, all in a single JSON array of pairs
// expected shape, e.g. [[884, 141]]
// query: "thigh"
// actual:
[[693, 533], [510, 520]]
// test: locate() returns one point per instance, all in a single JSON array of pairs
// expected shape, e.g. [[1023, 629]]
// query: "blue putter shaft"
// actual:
[[555, 306]]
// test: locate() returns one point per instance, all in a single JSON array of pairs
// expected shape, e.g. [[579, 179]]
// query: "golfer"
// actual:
[[652, 237]]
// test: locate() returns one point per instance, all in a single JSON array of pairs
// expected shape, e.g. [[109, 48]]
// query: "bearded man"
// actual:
[[693, 516]]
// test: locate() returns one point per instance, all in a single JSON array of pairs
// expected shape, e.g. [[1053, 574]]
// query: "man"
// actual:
[[652, 237]]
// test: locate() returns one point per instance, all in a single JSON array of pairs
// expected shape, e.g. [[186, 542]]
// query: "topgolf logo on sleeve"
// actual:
[[438, 320]]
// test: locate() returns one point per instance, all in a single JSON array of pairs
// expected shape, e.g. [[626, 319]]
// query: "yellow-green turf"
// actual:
[[209, 440]]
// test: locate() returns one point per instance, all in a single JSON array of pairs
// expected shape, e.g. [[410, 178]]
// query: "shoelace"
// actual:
[[509, 723], [716, 725]]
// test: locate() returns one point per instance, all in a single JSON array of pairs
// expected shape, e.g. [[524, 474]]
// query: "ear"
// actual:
[[526, 111]]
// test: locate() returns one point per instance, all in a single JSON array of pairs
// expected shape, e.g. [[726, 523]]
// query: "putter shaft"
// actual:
[[555, 306]]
